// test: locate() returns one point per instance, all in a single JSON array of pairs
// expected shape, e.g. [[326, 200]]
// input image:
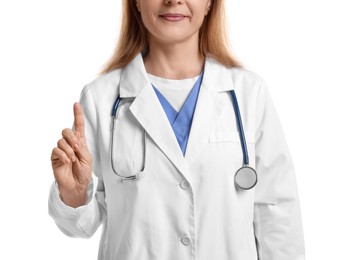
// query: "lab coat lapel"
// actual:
[[210, 104], [149, 113]]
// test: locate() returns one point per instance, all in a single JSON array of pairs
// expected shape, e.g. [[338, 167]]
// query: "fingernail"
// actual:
[[76, 147], [67, 161], [73, 158]]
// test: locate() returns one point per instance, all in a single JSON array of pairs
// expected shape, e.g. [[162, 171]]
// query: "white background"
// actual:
[[51, 49]]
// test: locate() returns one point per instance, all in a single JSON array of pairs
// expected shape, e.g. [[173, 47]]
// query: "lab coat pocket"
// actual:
[[227, 143], [128, 144]]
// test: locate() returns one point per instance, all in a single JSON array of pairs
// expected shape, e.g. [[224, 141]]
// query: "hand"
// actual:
[[72, 162]]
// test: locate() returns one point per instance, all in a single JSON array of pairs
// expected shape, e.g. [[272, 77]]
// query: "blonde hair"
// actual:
[[133, 37]]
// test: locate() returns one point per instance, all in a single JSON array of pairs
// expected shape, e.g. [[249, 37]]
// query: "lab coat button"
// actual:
[[185, 240], [184, 184]]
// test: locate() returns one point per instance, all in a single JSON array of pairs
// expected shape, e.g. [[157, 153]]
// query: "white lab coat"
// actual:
[[186, 208]]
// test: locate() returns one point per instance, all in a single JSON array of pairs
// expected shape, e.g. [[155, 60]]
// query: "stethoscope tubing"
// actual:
[[115, 107], [240, 128], [114, 113]]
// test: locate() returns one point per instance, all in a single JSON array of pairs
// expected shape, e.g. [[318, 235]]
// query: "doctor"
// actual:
[[175, 131]]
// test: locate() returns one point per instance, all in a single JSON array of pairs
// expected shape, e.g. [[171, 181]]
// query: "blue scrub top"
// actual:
[[181, 122]]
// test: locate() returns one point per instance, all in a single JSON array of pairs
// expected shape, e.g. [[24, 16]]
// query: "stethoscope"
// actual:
[[245, 177]]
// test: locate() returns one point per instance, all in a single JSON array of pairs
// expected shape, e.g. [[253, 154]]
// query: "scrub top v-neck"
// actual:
[[181, 121]]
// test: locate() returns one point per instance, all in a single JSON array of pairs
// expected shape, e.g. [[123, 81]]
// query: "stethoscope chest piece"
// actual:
[[245, 178]]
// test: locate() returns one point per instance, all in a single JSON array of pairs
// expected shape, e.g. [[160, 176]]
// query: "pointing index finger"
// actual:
[[78, 119]]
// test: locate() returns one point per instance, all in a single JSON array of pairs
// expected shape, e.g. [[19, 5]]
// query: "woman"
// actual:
[[175, 130]]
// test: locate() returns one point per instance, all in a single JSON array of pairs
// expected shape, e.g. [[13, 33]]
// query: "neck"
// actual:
[[174, 60]]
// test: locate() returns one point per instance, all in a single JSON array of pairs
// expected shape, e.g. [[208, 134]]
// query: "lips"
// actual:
[[173, 17]]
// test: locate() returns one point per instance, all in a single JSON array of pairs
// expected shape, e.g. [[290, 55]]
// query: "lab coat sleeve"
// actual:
[[277, 217], [83, 221]]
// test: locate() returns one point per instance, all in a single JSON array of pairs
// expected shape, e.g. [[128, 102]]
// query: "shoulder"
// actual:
[[103, 82], [247, 81], [101, 91], [241, 74], [249, 85], [242, 79], [252, 87]]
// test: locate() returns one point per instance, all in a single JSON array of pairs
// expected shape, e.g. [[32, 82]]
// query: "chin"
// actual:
[[170, 38]]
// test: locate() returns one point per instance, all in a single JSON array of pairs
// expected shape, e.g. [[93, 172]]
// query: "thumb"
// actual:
[[78, 119]]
